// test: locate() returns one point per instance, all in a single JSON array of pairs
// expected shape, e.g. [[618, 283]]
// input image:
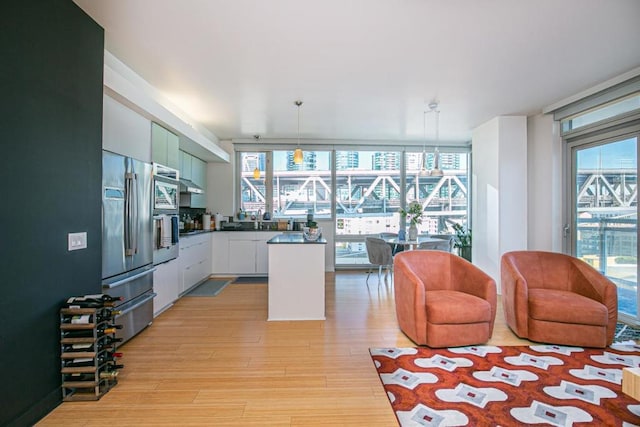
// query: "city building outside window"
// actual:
[[367, 194]]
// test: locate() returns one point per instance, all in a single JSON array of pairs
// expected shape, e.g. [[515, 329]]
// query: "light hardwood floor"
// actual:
[[216, 361]]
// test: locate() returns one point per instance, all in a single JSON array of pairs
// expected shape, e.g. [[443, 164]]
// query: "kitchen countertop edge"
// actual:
[[295, 239], [197, 232]]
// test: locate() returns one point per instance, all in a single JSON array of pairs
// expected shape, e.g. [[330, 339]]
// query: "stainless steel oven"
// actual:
[[165, 238], [166, 190], [166, 200]]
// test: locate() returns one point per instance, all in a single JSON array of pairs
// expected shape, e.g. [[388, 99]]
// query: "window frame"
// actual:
[[241, 147]]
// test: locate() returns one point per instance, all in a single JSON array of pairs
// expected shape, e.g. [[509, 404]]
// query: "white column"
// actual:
[[499, 191], [545, 184]]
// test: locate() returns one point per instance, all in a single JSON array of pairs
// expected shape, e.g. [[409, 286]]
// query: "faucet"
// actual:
[[260, 217]]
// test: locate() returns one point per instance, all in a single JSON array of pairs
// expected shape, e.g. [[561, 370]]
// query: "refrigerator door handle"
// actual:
[[130, 235], [136, 214]]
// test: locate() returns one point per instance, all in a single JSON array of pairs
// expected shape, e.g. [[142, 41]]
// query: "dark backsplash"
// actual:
[[194, 213]]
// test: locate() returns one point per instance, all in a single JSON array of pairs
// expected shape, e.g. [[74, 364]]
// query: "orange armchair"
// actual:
[[443, 300], [556, 298]]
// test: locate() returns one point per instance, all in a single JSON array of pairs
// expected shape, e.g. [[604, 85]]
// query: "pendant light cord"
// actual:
[[298, 104]]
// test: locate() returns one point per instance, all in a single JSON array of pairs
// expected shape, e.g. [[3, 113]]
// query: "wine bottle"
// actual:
[[78, 347], [102, 358], [108, 331], [108, 374], [73, 303], [108, 340], [114, 354], [87, 333], [112, 366], [104, 297], [107, 314], [80, 377], [93, 301], [79, 362]]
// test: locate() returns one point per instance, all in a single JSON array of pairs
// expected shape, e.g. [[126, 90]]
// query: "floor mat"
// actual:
[[251, 279], [209, 288]]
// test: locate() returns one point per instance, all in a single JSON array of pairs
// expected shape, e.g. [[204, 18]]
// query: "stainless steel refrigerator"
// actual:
[[127, 240]]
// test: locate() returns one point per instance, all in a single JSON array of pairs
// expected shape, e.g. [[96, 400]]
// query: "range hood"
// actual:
[[187, 186]]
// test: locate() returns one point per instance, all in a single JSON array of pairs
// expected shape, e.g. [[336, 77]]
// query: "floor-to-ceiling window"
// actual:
[[299, 189], [605, 216], [253, 172], [365, 188], [603, 212], [272, 182], [444, 197], [368, 198]]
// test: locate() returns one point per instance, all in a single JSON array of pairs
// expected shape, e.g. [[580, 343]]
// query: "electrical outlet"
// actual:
[[77, 241]]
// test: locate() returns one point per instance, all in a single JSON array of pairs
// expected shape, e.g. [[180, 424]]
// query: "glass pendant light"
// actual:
[[436, 171], [423, 166], [297, 155], [436, 155]]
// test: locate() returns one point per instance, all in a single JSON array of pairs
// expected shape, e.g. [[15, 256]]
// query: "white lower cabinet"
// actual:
[[220, 252], [166, 285], [195, 260], [241, 252]]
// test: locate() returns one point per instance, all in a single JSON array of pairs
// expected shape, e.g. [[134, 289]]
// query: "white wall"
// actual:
[[499, 186], [124, 131], [545, 184], [221, 183]]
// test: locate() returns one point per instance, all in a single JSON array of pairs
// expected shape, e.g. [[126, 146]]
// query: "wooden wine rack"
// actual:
[[89, 388]]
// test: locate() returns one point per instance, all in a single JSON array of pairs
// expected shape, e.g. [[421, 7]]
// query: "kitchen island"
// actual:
[[296, 278]]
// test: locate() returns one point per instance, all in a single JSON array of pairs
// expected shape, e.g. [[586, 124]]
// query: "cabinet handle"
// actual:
[[129, 279], [144, 301]]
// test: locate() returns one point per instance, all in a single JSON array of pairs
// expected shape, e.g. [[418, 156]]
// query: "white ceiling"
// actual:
[[366, 69]]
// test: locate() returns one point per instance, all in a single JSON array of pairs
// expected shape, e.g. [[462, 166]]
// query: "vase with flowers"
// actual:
[[413, 213]]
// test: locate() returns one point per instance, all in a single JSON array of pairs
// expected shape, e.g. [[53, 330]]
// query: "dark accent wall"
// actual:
[[51, 70]]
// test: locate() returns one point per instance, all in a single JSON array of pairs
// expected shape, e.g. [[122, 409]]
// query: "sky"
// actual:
[[621, 154]]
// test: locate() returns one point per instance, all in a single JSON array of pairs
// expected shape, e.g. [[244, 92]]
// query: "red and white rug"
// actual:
[[508, 386]]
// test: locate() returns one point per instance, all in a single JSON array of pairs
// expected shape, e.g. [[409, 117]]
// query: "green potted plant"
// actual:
[[462, 241], [414, 214]]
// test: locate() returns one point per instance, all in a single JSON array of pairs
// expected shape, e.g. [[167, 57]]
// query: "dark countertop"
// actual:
[[237, 230], [194, 232], [295, 238]]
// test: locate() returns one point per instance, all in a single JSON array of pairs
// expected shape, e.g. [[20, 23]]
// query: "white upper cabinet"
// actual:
[[124, 131], [164, 147]]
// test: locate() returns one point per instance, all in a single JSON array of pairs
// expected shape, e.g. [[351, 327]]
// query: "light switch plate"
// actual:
[[77, 241]]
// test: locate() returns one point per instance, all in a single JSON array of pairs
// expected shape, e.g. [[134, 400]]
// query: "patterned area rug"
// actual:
[[508, 386]]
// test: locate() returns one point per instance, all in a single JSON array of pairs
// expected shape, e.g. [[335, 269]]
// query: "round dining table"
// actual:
[[411, 244]]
